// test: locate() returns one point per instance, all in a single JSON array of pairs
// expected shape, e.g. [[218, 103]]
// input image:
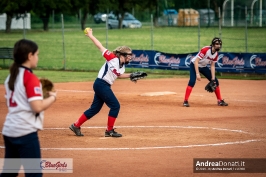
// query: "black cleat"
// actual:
[[76, 130], [222, 103], [186, 104], [112, 133]]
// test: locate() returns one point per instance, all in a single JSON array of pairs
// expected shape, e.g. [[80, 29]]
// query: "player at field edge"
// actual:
[[24, 99], [113, 68], [207, 55]]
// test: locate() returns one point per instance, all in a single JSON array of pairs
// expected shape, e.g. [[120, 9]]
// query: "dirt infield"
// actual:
[[160, 137]]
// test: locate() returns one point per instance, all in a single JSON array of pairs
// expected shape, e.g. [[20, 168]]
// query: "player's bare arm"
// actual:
[[196, 63], [124, 76], [96, 42], [41, 105]]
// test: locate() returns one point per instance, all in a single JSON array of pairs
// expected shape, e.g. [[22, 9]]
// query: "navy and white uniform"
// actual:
[[102, 86], [206, 57], [21, 124], [20, 119]]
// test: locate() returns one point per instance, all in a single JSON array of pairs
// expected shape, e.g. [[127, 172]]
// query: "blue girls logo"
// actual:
[[187, 60], [155, 58], [220, 61], [252, 61]]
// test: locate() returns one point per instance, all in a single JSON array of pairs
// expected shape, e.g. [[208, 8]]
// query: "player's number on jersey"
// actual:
[[12, 103]]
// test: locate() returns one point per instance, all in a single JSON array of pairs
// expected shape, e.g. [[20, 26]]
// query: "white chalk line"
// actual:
[[155, 147], [89, 91], [249, 101], [76, 91], [188, 127], [150, 148]]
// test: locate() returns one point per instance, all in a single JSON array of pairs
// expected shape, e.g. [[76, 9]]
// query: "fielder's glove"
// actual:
[[47, 86], [137, 75], [211, 86]]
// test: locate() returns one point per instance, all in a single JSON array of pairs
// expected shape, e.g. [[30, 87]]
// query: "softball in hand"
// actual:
[[86, 30]]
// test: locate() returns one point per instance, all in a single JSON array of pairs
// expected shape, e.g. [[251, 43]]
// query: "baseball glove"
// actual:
[[47, 86], [137, 75], [211, 86]]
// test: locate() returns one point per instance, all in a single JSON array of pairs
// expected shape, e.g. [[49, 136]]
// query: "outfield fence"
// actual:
[[64, 46]]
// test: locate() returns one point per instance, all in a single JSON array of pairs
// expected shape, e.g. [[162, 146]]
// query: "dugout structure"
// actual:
[[6, 53]]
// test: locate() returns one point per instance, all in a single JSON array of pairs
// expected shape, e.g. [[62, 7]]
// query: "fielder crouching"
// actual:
[[207, 55]]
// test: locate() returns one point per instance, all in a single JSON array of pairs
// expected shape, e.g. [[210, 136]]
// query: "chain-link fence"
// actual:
[[65, 47]]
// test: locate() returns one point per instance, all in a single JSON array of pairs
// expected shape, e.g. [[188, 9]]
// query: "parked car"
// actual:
[[98, 18], [207, 16], [129, 20], [168, 18]]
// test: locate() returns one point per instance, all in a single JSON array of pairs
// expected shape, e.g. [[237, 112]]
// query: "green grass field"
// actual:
[[81, 55], [81, 76]]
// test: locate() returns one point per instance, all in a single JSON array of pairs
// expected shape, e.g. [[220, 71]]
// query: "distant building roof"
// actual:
[[170, 12]]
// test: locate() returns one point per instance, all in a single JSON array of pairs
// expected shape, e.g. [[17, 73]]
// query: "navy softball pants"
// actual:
[[205, 71], [103, 94], [27, 146]]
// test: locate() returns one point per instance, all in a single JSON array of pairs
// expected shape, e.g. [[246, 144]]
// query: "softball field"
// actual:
[[160, 136]]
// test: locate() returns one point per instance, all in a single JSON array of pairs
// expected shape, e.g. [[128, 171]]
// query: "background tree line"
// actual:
[[82, 8]]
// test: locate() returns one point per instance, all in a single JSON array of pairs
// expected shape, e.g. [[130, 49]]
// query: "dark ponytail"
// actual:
[[21, 51], [13, 75]]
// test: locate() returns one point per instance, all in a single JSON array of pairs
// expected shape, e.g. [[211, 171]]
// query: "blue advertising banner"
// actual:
[[227, 62]]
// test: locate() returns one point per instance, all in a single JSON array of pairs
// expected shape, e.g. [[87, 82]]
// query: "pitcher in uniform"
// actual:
[[113, 68]]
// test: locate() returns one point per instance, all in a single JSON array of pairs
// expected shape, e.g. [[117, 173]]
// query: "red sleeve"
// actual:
[[109, 55], [32, 85], [203, 52]]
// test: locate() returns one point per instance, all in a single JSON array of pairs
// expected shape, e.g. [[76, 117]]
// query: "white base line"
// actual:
[[188, 127], [150, 148], [249, 101], [75, 91], [90, 91], [147, 148], [155, 147]]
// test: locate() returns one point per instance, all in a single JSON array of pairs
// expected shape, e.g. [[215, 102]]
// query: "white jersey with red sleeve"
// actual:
[[206, 56], [111, 68], [21, 119]]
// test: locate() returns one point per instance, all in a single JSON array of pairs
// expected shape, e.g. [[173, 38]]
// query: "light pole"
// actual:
[[252, 4], [223, 9], [208, 12], [251, 12], [232, 11]]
